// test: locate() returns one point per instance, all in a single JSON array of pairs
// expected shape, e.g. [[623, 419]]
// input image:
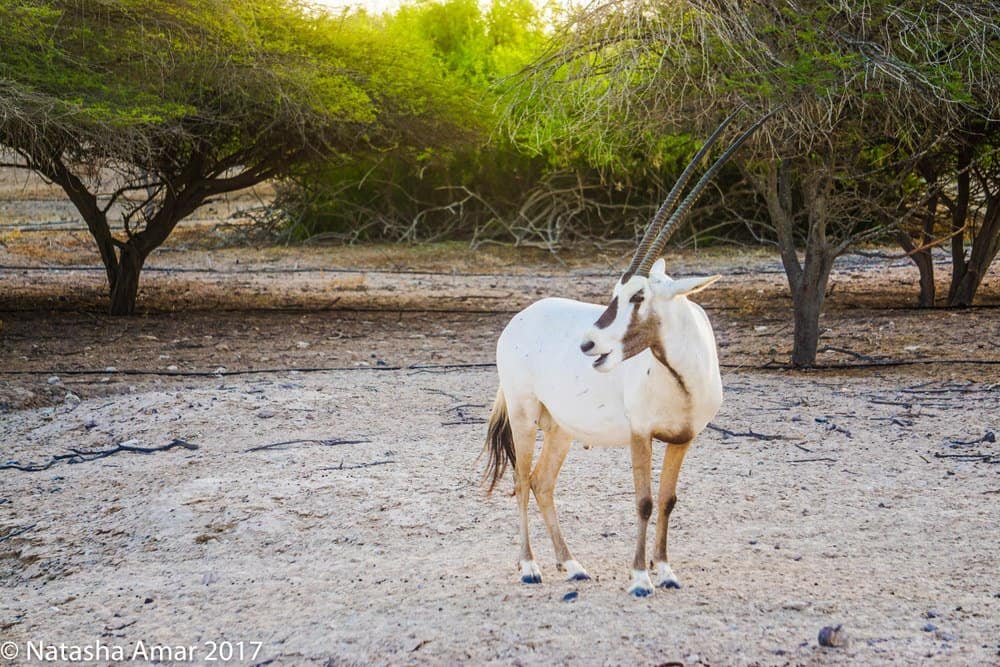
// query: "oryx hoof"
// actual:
[[530, 574], [642, 585], [666, 577], [575, 571]]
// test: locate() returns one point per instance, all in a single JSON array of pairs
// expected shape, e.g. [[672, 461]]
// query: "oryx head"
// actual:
[[639, 313], [632, 321]]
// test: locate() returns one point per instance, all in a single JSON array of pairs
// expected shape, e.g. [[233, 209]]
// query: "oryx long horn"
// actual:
[[675, 192], [685, 206]]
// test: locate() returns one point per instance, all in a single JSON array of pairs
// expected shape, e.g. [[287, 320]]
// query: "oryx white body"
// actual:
[[656, 375], [539, 361]]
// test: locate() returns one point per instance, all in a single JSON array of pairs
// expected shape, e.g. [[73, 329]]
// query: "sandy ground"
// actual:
[[864, 509]]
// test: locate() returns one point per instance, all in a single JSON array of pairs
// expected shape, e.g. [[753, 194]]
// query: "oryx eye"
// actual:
[[636, 298]]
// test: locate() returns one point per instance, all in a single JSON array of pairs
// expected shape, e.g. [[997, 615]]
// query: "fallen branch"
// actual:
[[359, 465], [989, 436], [83, 456], [901, 404], [17, 531], [417, 368], [463, 418], [830, 426], [749, 434], [984, 458], [856, 355], [306, 441], [811, 460], [445, 368]]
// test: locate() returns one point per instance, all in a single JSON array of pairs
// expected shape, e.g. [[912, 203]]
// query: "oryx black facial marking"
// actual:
[[640, 334], [608, 316]]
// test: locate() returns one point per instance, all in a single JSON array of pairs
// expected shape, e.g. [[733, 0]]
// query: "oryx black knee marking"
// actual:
[[645, 508], [670, 506]]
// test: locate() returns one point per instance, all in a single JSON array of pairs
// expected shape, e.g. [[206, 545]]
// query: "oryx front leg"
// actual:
[[673, 456], [641, 448], [543, 484], [523, 429]]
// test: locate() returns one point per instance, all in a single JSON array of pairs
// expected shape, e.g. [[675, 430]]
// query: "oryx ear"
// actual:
[[659, 266], [685, 286]]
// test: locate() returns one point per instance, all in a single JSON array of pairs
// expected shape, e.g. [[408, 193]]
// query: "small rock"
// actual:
[[265, 414], [932, 613], [148, 601], [172, 367], [54, 380], [90, 423], [832, 636], [929, 627], [110, 369], [795, 605], [302, 345], [569, 597], [944, 636], [71, 397]]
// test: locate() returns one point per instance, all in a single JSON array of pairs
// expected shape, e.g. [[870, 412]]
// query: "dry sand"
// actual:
[[849, 519]]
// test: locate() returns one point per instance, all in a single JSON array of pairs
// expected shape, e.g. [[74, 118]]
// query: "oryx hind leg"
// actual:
[[543, 485], [524, 427]]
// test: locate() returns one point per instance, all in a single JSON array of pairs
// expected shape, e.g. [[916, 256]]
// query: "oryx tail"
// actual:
[[499, 443]]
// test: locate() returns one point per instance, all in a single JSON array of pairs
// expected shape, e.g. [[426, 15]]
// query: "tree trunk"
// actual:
[[808, 304], [125, 286], [925, 265], [959, 214], [922, 258], [807, 299], [984, 249], [807, 280]]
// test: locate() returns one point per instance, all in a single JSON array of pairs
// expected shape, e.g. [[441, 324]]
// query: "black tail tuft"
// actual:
[[499, 444]]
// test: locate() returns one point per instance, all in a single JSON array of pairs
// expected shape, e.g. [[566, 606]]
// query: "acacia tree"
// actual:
[[864, 92], [143, 111]]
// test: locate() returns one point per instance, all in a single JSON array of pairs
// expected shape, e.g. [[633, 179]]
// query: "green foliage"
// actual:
[[521, 182], [225, 75]]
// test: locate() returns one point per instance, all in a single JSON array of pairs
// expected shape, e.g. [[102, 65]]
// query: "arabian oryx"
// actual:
[[644, 367]]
